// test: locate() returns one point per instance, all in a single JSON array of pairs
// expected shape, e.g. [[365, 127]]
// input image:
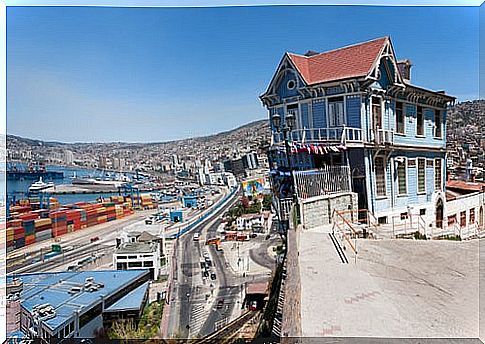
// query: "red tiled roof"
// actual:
[[347, 62], [465, 186]]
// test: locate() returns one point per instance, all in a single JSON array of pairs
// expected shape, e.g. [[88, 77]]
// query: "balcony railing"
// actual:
[[382, 136], [329, 135], [339, 135]]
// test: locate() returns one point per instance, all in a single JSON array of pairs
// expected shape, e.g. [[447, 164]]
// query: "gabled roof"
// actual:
[[348, 62]]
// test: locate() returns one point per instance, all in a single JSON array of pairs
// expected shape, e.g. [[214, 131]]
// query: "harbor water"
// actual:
[[18, 189]]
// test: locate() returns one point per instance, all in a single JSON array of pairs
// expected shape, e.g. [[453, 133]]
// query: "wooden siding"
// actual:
[[319, 114], [353, 111]]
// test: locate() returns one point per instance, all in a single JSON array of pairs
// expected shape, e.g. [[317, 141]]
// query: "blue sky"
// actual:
[[157, 74]]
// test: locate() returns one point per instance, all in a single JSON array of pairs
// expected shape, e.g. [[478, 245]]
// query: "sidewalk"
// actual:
[[397, 288], [239, 259]]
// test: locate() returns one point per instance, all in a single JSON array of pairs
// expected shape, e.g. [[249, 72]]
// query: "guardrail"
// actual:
[[225, 333], [205, 216]]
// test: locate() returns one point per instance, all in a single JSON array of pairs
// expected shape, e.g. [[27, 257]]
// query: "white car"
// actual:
[[206, 255]]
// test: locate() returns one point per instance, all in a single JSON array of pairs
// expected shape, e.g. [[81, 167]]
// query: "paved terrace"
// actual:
[[397, 288]]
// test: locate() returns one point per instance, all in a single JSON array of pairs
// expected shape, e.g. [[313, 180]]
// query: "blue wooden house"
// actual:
[[356, 106]]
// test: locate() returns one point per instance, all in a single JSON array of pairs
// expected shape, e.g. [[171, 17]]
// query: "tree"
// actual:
[[267, 201], [245, 202]]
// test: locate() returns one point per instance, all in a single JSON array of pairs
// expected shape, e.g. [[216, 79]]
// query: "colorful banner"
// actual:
[[253, 187]]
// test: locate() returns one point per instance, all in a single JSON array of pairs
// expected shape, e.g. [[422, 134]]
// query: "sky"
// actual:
[[84, 74]]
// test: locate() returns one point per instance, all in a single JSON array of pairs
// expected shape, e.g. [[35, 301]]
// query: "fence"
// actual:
[[327, 180]]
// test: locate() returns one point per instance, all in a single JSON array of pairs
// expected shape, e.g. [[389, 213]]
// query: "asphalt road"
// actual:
[[190, 303]]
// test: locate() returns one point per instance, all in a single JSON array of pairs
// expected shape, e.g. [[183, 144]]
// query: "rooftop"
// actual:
[[54, 288], [137, 247], [465, 187], [132, 301], [343, 63]]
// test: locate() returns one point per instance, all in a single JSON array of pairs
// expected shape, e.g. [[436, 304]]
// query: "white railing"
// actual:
[[327, 180], [382, 136], [331, 135]]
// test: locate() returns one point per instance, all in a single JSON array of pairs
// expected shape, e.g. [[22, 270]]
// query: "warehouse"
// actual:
[[74, 304]]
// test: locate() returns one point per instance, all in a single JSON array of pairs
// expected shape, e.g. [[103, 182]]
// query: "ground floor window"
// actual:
[[463, 219], [472, 216], [380, 173], [451, 220]]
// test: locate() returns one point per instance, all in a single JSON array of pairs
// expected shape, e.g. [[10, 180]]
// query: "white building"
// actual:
[[68, 157], [248, 222], [140, 246]]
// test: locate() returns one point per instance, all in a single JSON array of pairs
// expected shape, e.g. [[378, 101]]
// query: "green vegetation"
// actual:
[[245, 206], [267, 201], [147, 328], [450, 237], [418, 236], [163, 261]]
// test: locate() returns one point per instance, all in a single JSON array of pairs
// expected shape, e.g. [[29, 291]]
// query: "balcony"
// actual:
[[348, 136], [382, 137], [337, 135]]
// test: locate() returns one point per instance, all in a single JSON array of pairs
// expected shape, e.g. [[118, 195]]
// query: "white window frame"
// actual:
[[403, 113], [385, 176], [441, 174], [440, 137], [417, 176], [343, 118], [405, 162], [382, 105]]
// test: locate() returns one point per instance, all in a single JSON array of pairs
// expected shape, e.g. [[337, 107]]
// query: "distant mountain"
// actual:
[[14, 140]]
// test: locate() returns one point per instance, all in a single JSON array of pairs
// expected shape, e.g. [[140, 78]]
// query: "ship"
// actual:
[[33, 172], [40, 185]]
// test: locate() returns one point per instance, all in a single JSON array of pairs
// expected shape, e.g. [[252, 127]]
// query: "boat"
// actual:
[[40, 185]]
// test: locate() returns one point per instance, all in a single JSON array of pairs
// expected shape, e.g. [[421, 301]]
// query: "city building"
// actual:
[[68, 157], [357, 117], [137, 255], [75, 304]]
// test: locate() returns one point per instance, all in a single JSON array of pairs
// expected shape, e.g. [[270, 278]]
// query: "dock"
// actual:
[[67, 189], [79, 189]]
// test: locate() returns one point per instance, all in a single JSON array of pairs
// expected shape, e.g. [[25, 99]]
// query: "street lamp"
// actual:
[[288, 126]]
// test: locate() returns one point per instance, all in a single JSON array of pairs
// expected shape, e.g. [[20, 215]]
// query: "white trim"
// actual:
[[406, 175], [417, 176], [385, 175], [441, 174]]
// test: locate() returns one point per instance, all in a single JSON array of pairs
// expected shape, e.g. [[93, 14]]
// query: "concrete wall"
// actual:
[[467, 203], [317, 211]]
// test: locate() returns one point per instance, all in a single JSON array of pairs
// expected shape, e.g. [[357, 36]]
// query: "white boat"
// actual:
[[40, 185]]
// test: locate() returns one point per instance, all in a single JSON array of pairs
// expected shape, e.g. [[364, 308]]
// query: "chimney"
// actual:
[[404, 67], [311, 53]]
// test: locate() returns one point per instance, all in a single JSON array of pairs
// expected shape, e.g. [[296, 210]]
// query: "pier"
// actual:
[[67, 189]]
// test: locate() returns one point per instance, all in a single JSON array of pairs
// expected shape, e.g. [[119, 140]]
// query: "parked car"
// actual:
[[213, 276], [203, 265], [208, 262], [93, 239], [196, 236], [205, 273], [220, 303], [254, 235]]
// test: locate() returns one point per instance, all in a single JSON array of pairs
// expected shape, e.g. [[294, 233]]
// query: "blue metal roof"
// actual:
[[132, 301], [53, 288]]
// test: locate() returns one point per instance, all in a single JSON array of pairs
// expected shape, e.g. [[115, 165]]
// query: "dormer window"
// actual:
[[291, 84]]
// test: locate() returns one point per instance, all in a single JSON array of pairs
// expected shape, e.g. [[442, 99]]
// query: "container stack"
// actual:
[[28, 225], [29, 228], [43, 229], [59, 223]]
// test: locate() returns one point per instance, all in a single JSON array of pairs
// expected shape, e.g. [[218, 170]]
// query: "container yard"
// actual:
[[28, 224]]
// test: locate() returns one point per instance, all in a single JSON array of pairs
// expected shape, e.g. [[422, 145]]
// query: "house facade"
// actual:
[[356, 107]]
